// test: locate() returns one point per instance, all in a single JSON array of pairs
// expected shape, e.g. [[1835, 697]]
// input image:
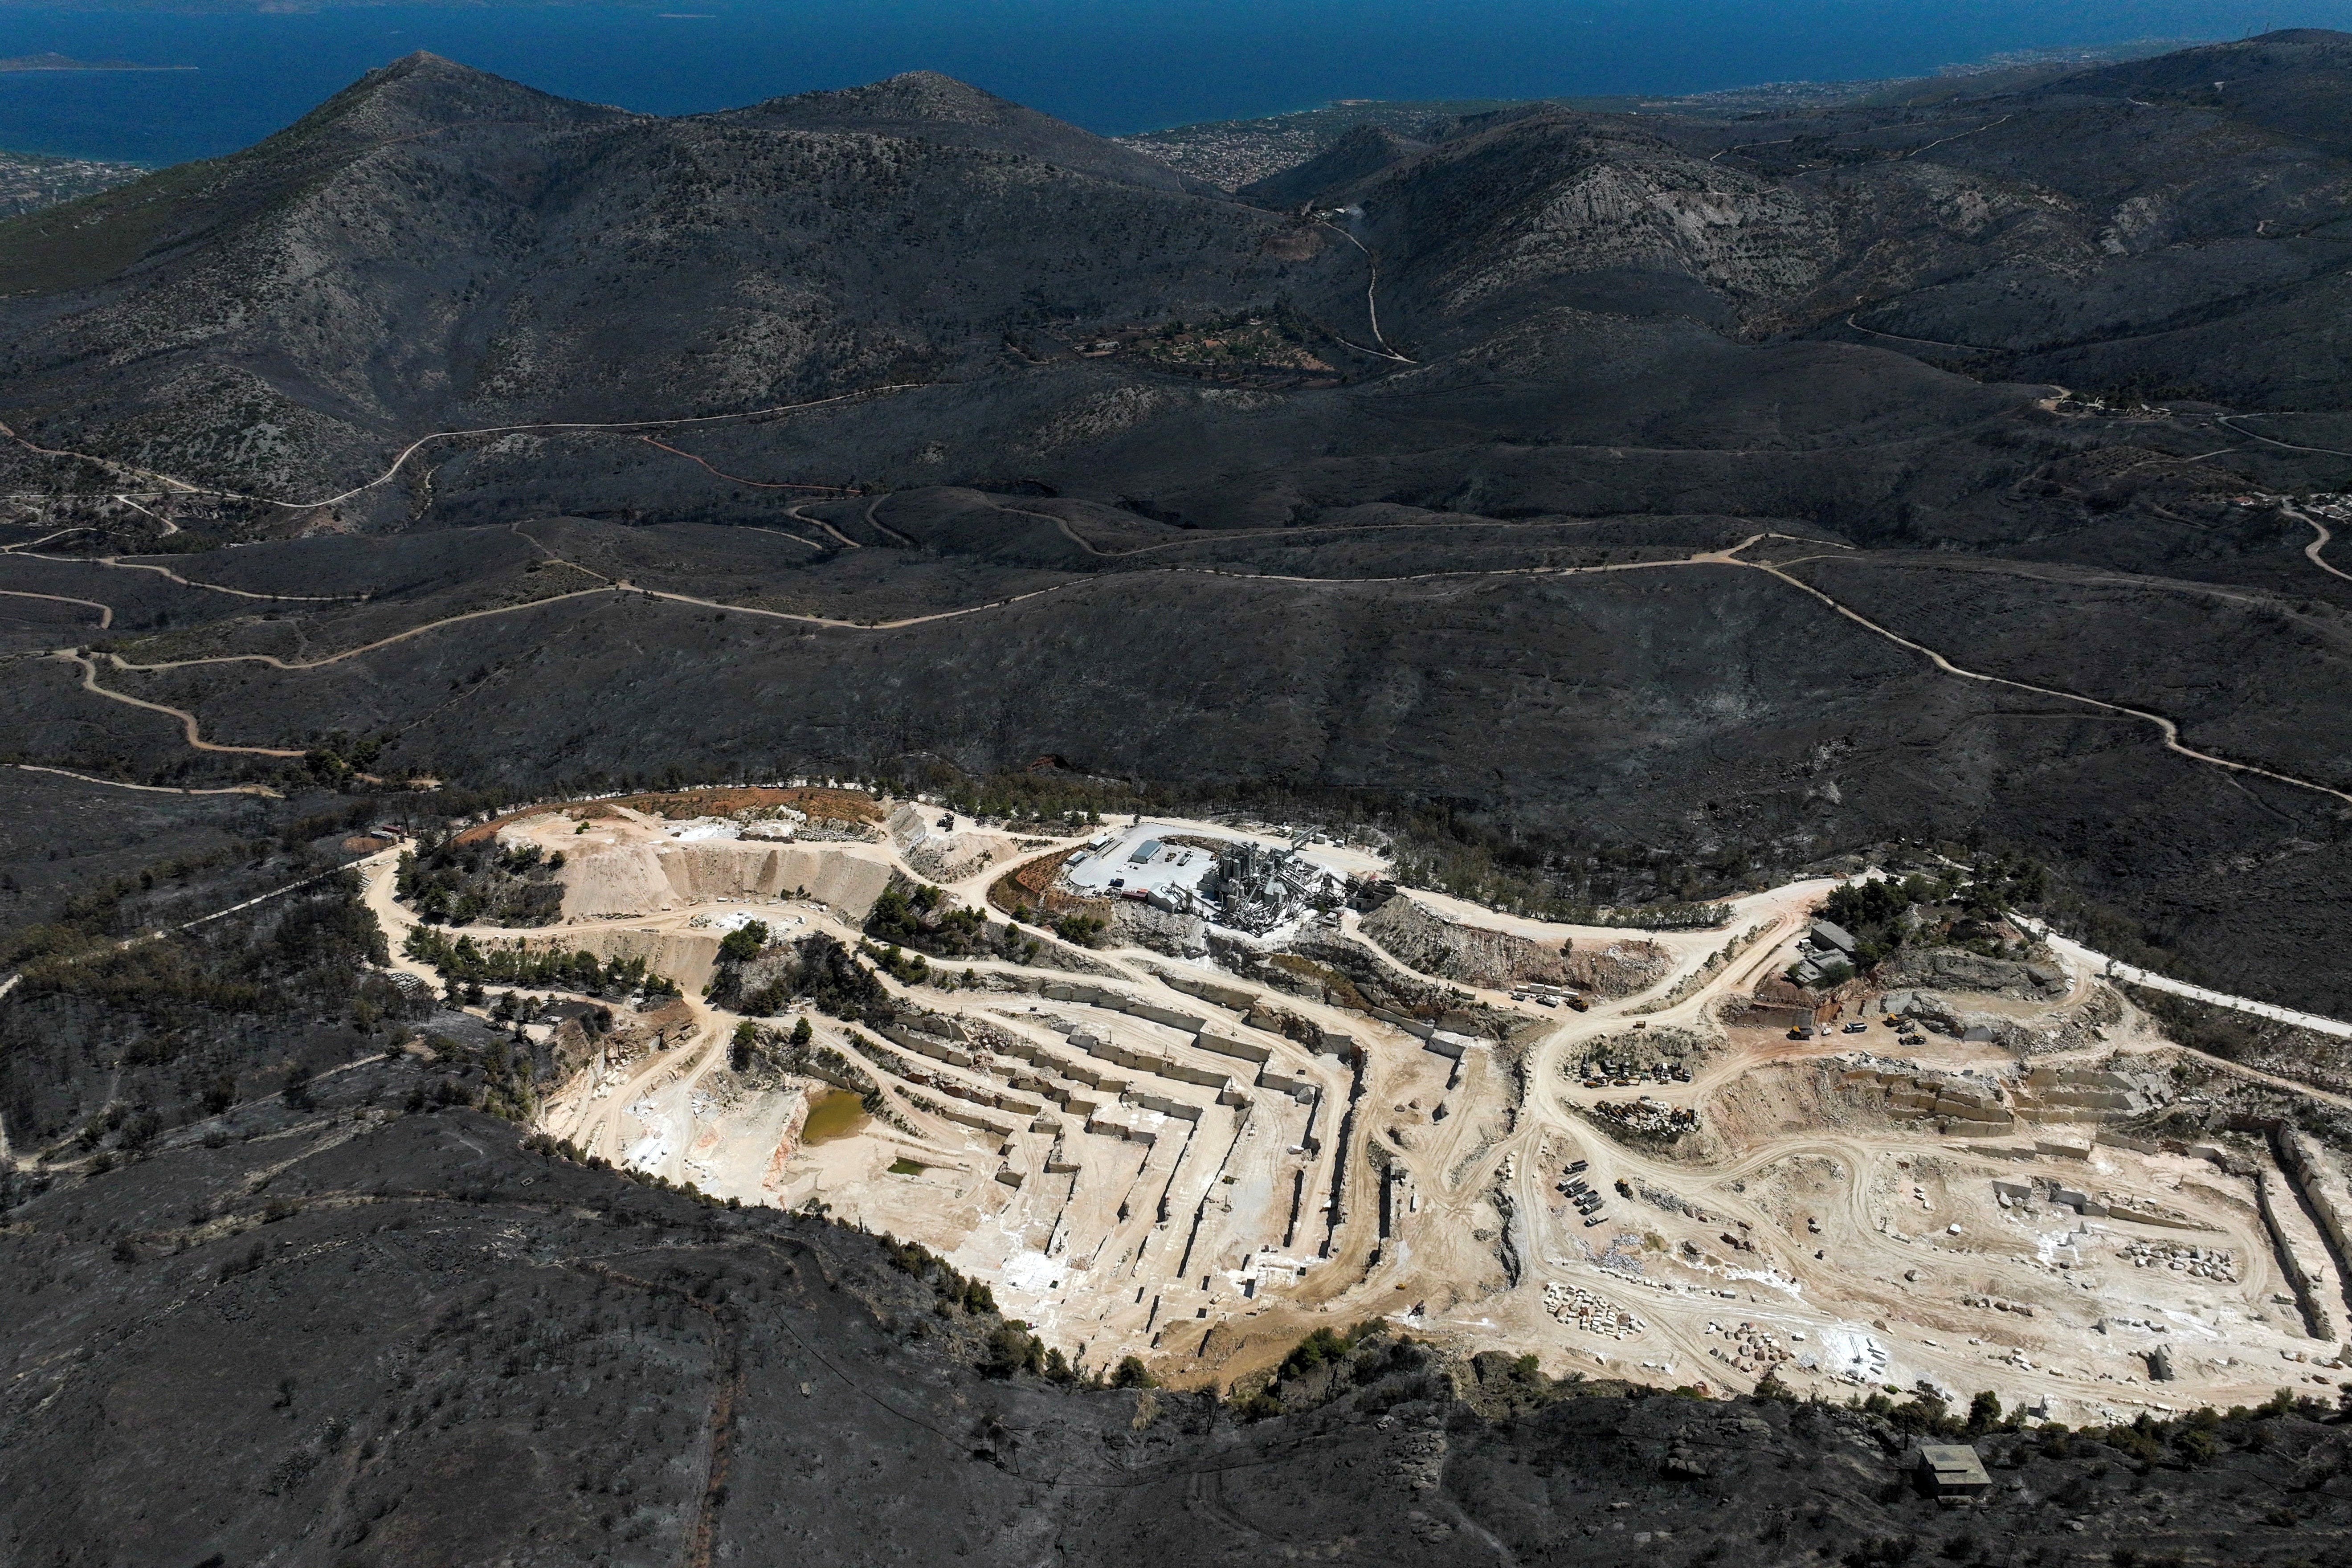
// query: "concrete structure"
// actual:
[[1244, 886], [1141, 864], [1952, 1470], [1826, 934]]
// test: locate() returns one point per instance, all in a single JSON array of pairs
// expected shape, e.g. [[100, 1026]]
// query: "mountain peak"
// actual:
[[425, 92], [426, 61], [913, 97], [936, 92], [936, 106]]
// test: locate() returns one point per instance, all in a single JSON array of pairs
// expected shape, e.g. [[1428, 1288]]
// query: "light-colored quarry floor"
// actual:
[[1808, 1225]]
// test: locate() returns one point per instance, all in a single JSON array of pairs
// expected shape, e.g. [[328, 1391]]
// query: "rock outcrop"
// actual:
[[1957, 969], [1421, 939]]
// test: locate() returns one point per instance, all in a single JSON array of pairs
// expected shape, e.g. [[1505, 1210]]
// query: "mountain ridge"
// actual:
[[720, 354], [930, 104], [1588, 515]]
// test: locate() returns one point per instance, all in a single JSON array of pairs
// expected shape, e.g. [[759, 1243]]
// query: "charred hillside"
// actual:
[[436, 246], [2104, 230], [1736, 492], [371, 1330], [1623, 506]]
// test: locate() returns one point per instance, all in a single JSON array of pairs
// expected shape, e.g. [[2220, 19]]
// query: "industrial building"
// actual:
[[1237, 883]]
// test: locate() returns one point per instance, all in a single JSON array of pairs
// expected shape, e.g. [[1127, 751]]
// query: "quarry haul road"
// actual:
[[2135, 976], [1728, 556]]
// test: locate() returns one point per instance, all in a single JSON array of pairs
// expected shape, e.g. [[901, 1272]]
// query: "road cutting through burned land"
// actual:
[[2167, 727], [833, 623], [105, 612], [706, 466], [554, 426], [2316, 552], [121, 564], [1728, 556], [191, 729], [263, 790]]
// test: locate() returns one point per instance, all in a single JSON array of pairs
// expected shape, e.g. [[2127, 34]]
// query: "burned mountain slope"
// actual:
[[438, 247], [2096, 229], [930, 107], [1124, 473], [363, 1334], [1620, 693]]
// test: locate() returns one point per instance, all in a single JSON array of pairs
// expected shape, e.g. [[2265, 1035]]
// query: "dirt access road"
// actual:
[[1730, 557]]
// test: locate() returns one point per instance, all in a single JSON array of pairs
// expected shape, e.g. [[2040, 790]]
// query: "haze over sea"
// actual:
[[1112, 68]]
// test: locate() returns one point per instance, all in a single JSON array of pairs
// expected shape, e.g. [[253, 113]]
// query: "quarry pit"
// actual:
[[1608, 1148]]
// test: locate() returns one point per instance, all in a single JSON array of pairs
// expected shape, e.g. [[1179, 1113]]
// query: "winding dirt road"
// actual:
[[148, 789], [190, 729], [1371, 301], [2227, 422], [121, 564], [105, 612], [705, 465], [2165, 727], [2312, 551], [551, 426], [794, 513], [1729, 556]]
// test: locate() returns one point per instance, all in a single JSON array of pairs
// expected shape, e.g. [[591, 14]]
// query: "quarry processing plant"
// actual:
[[1239, 883]]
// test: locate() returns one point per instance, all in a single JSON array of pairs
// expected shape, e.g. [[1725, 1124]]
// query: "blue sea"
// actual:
[[1112, 66]]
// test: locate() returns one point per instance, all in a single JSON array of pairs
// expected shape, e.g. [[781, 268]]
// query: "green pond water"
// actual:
[[837, 1113]]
